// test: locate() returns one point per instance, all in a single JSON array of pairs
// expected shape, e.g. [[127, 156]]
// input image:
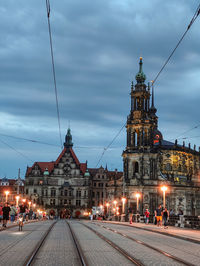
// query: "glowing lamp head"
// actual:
[[115, 202], [7, 192], [24, 200], [107, 204], [164, 188], [17, 197], [137, 195], [123, 200]]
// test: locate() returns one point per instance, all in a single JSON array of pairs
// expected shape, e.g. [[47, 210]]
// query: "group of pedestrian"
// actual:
[[10, 212], [161, 214]]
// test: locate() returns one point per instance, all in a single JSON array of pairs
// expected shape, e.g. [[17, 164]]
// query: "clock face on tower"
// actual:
[[157, 136]]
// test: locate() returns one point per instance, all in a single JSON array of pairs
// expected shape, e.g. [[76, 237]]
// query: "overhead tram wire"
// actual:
[[53, 68], [55, 145], [197, 12], [23, 155], [106, 148]]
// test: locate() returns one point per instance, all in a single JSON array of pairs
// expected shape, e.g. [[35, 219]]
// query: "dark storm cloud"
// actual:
[[96, 47]]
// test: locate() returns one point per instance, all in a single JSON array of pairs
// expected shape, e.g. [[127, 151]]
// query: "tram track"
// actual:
[[77, 245], [33, 255], [179, 260], [115, 246], [159, 232]]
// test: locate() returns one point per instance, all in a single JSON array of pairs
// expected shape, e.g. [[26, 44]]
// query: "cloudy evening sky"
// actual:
[[97, 45]]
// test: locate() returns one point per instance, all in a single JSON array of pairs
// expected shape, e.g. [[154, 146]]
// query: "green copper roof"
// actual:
[[87, 173], [140, 77]]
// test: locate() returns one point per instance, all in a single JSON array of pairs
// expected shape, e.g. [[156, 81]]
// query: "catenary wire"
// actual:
[[53, 68], [11, 147], [197, 12], [54, 145], [106, 148]]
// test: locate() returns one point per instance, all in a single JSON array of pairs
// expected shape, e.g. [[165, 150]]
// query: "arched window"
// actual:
[[135, 167], [136, 139]]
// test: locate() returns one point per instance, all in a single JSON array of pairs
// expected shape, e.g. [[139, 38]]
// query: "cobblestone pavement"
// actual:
[[96, 250], [180, 248], [144, 254], [16, 246], [183, 232], [58, 248]]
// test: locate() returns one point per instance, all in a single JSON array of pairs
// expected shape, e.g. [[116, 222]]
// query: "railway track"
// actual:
[[115, 246], [32, 256], [159, 232], [174, 258], [82, 258]]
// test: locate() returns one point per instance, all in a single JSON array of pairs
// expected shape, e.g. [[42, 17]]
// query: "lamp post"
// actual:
[[164, 189], [115, 202], [107, 205], [137, 197], [7, 192], [17, 201], [123, 205], [29, 204]]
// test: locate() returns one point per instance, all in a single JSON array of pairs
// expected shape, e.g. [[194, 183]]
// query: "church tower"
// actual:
[[142, 132]]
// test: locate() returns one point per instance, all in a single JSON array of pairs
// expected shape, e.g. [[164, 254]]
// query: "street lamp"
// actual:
[[115, 202], [107, 205], [29, 204], [137, 197], [123, 204], [17, 200], [7, 192], [164, 189], [23, 200]]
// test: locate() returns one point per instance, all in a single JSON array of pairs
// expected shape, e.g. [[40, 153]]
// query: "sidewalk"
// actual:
[[13, 224], [183, 233]]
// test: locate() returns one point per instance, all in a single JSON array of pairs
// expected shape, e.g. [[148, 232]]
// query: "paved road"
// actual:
[[177, 247], [59, 248]]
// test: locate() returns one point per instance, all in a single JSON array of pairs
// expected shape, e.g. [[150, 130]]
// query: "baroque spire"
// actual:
[[152, 109], [140, 77]]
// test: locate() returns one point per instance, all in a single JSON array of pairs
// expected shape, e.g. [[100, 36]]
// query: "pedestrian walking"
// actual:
[[22, 210], [158, 215], [146, 215], [130, 212], [13, 212], [165, 217], [6, 212]]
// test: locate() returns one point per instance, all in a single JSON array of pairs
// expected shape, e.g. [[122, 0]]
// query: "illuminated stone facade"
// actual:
[[150, 161]]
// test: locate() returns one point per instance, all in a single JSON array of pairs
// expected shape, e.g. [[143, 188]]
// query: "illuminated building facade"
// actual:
[[150, 161]]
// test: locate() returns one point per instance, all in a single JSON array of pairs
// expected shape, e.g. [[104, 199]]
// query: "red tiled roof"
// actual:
[[60, 156], [83, 167], [50, 165], [74, 156], [42, 165]]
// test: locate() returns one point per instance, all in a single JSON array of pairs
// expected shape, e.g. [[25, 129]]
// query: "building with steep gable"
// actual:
[[60, 184], [151, 162]]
